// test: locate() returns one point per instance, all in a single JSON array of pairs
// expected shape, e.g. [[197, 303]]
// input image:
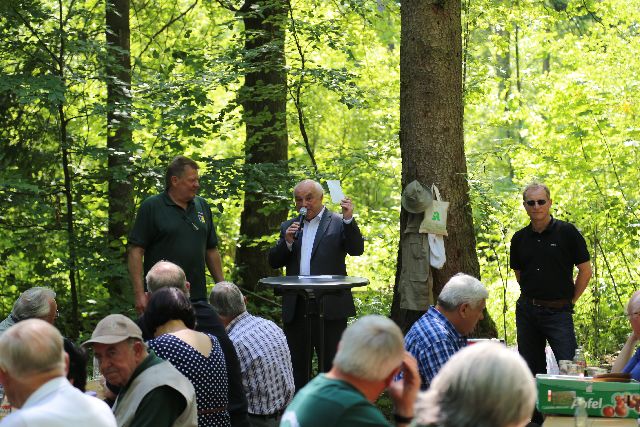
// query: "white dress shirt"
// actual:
[[59, 404], [308, 237]]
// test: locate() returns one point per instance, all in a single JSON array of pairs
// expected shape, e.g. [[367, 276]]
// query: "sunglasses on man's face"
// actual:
[[540, 202]]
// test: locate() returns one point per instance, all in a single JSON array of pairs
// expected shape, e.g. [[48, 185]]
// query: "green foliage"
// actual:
[[561, 108], [567, 120]]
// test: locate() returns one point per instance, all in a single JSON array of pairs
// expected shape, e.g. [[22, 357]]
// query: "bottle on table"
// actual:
[[581, 361], [580, 415]]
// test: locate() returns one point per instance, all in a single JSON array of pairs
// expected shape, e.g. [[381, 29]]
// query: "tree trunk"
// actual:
[[118, 76], [264, 101], [431, 129]]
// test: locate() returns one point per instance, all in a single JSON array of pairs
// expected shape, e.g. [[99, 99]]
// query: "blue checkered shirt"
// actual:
[[432, 340], [265, 363]]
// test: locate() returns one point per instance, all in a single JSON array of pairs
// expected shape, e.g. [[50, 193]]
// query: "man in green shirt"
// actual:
[[370, 355], [152, 391], [175, 226]]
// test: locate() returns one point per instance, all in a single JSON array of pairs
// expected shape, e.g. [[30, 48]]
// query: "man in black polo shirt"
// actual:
[[543, 255], [176, 226]]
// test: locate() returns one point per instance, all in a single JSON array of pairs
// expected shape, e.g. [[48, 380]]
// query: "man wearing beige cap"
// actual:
[[152, 391]]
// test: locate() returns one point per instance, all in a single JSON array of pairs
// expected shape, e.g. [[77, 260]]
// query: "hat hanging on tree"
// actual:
[[416, 198]]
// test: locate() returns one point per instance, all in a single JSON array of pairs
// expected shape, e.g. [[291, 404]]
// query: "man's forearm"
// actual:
[[214, 264], [134, 261], [625, 354], [582, 280]]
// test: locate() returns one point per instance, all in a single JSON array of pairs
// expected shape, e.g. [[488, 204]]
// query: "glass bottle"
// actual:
[[580, 415], [580, 360]]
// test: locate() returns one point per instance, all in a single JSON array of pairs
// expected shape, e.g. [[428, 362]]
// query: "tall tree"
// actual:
[[431, 129], [264, 99], [120, 193]]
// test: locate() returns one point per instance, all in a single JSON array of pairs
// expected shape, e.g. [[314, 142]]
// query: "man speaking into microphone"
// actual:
[[316, 242]]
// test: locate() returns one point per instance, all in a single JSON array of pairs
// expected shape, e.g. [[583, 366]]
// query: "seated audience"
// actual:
[[32, 371], [265, 361], [167, 274], [442, 330], [152, 391], [34, 303], [370, 354], [77, 373], [196, 355], [625, 362], [484, 385]]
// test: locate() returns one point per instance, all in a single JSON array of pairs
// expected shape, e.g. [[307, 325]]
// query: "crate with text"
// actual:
[[605, 398]]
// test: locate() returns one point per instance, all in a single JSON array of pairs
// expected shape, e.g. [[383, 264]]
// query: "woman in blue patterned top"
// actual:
[[196, 355]]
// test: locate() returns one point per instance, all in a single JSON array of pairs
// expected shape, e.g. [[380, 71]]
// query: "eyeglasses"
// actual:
[[540, 202], [631, 315]]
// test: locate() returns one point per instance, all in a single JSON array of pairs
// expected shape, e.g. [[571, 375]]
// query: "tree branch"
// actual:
[[167, 25], [298, 90]]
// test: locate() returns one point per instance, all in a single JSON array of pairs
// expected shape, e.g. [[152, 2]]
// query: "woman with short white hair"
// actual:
[[483, 385]]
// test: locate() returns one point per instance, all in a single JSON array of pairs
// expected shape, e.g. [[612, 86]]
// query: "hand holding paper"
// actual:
[[336, 190]]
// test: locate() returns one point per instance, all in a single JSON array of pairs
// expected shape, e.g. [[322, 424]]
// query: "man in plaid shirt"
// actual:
[[265, 361], [442, 330]]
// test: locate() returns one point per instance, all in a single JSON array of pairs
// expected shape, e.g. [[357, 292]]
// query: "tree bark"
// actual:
[[120, 192], [431, 129], [264, 101]]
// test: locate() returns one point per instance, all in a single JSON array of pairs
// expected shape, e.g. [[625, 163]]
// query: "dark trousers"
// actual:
[[298, 336], [535, 326]]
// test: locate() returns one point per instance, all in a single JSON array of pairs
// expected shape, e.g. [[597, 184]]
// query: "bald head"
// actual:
[[165, 274], [633, 305], [31, 347]]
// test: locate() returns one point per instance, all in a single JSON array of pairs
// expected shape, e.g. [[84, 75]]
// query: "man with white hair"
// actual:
[[442, 330], [628, 359], [370, 355], [316, 245], [32, 371], [34, 303], [267, 375]]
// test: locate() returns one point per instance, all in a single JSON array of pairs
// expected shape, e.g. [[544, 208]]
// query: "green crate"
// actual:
[[557, 395]]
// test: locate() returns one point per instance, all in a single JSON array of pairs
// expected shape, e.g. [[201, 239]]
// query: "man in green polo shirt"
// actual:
[[175, 226]]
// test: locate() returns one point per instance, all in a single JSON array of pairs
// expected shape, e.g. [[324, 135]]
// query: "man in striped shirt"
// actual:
[[442, 330], [265, 361]]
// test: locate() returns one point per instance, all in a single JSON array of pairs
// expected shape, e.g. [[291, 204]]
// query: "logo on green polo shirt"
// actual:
[[201, 217]]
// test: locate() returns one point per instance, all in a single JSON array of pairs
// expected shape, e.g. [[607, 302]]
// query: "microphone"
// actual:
[[303, 214]]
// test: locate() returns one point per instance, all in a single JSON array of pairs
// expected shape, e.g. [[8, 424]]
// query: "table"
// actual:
[[319, 286], [568, 421]]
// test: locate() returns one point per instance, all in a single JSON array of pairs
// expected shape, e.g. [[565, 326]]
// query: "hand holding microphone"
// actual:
[[303, 214]]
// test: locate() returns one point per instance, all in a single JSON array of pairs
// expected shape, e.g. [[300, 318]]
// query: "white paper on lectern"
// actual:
[[336, 190]]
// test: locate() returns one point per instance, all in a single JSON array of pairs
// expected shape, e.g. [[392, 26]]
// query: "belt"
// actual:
[[550, 303], [267, 416], [211, 411]]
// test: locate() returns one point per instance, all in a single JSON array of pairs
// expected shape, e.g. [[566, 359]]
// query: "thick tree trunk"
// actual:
[[431, 128], [264, 101], [118, 71]]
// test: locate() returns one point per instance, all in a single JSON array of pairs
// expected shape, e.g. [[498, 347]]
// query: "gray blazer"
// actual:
[[334, 240]]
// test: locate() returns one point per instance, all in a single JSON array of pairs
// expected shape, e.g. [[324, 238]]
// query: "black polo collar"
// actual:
[[169, 201], [548, 229]]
